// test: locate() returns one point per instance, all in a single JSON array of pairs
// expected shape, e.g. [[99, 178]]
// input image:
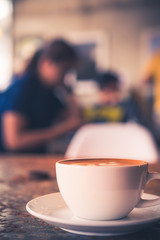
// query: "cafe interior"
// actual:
[[106, 104]]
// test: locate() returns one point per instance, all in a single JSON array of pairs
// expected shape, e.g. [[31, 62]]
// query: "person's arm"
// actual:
[[72, 107], [17, 137]]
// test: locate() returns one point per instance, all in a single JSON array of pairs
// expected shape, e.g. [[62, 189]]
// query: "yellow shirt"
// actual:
[[104, 113]]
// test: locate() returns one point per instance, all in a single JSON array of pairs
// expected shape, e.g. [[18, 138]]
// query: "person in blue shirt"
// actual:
[[38, 107]]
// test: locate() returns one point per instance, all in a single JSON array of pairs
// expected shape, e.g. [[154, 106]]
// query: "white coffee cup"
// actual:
[[104, 189]]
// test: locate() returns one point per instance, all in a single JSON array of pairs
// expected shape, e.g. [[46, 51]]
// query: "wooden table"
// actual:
[[19, 184]]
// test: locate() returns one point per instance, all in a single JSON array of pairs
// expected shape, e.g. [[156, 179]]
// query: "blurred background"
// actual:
[[120, 35]]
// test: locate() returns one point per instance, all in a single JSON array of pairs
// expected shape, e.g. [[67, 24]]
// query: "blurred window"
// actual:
[[6, 9]]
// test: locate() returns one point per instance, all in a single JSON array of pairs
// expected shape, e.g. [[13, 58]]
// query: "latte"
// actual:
[[103, 162]]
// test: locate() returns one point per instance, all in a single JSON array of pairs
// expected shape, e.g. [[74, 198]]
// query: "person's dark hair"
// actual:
[[108, 79], [32, 65], [59, 51]]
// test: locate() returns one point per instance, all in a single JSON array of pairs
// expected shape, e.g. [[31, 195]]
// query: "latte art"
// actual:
[[103, 162], [94, 163]]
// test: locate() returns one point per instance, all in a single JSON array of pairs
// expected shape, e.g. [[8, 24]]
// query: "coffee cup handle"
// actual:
[[148, 203]]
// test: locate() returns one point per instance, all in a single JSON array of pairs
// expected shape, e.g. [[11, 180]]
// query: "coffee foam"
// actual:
[[103, 162]]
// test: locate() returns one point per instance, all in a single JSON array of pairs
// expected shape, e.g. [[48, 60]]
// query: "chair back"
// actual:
[[116, 140]]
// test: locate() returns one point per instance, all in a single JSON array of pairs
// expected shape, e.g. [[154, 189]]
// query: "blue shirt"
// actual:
[[36, 102]]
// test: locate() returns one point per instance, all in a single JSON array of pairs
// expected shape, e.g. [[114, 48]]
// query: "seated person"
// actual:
[[111, 107], [37, 107]]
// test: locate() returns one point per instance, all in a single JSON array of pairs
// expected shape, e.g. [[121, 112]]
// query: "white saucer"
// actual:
[[52, 209]]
